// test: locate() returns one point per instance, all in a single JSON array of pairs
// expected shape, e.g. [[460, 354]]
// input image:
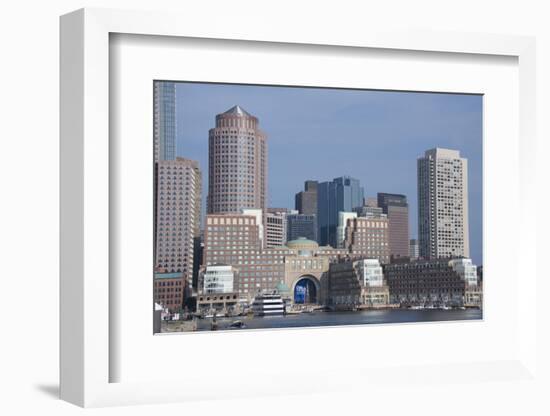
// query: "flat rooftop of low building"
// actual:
[[168, 275]]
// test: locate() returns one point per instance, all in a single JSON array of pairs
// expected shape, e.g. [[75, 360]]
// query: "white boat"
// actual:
[[268, 304]]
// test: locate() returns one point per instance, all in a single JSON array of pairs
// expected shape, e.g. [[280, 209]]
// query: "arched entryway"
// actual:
[[306, 290]]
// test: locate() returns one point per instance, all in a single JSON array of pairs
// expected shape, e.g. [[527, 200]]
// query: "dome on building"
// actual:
[[282, 288], [302, 243]]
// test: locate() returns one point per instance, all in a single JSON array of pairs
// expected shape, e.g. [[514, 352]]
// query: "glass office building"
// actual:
[[165, 120], [342, 194]]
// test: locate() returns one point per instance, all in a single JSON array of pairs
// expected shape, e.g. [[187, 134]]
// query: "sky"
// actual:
[[321, 134]]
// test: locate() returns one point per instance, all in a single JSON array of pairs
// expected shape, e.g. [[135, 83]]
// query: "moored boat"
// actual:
[[268, 304]]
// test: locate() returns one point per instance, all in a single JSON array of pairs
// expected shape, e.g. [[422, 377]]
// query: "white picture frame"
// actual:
[[87, 356]]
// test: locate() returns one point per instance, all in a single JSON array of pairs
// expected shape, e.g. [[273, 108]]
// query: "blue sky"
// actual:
[[320, 134]]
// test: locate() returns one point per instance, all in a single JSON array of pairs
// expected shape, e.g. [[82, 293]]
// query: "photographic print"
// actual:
[[289, 207]]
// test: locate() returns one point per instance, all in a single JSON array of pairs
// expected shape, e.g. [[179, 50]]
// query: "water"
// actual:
[[319, 318]]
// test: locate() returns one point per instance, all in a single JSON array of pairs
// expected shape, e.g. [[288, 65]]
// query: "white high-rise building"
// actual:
[[443, 204], [276, 226]]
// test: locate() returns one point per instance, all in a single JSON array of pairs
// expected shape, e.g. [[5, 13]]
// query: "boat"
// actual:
[[268, 304], [237, 325]]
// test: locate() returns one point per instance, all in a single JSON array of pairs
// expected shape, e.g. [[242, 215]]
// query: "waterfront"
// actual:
[[320, 319]]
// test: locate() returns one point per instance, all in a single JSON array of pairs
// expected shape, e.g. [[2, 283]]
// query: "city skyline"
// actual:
[[210, 100]]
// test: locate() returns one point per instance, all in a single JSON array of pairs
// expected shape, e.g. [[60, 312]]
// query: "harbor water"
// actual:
[[320, 319]]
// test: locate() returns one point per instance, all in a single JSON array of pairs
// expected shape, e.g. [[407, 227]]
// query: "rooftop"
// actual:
[[301, 243], [441, 153], [168, 275], [239, 111]]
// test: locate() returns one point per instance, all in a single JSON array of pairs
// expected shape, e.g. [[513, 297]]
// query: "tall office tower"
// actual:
[[306, 200], [368, 238], [276, 227], [395, 206], [164, 120], [443, 204], [301, 225], [341, 194], [177, 210], [414, 251], [237, 163]]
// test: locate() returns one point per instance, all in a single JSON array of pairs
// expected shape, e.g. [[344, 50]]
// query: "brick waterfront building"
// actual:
[[424, 282], [168, 290]]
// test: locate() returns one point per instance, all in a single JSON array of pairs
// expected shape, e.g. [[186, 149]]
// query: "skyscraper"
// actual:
[[341, 194], [443, 204], [395, 206], [306, 200], [177, 210], [164, 120], [276, 226], [301, 225], [237, 163]]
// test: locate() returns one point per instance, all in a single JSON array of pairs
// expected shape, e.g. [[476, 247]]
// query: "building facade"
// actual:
[[164, 120], [305, 272], [395, 206], [473, 294], [443, 204], [356, 284], [234, 239], [343, 218], [168, 290], [367, 237], [306, 200], [414, 249], [424, 283], [369, 211], [217, 278], [237, 163], [342, 194], [466, 270], [276, 225], [301, 225], [306, 268], [177, 217]]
